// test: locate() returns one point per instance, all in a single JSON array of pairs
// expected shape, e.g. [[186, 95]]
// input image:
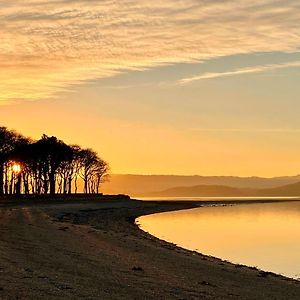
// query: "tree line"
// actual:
[[47, 166]]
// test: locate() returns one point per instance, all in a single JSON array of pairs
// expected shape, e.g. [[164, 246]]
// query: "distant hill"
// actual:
[[137, 185], [291, 190], [204, 191]]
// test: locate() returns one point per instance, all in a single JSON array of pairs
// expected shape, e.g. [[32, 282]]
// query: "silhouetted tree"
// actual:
[[69, 168], [50, 154], [47, 166], [92, 169], [8, 142], [100, 174], [17, 157]]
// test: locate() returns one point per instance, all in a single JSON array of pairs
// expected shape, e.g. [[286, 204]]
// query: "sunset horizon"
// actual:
[[220, 99], [150, 150]]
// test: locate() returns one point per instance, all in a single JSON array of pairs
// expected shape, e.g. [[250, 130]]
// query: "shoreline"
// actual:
[[97, 244], [223, 204]]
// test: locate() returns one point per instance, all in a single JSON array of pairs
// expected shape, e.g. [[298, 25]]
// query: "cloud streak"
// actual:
[[46, 46], [249, 130], [241, 71]]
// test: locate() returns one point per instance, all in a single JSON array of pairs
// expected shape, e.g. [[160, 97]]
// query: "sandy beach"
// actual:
[[91, 249]]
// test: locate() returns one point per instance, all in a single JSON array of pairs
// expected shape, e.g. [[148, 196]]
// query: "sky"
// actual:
[[163, 87]]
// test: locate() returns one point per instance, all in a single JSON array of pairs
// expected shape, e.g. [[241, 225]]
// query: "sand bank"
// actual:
[[93, 250]]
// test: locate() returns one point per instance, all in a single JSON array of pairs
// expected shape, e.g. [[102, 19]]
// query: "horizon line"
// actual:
[[195, 175]]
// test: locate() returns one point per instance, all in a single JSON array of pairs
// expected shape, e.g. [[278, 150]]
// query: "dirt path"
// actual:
[[96, 253]]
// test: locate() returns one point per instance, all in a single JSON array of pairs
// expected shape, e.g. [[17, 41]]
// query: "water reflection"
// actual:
[[213, 198], [262, 235]]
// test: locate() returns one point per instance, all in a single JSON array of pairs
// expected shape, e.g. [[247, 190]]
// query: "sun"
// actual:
[[16, 168]]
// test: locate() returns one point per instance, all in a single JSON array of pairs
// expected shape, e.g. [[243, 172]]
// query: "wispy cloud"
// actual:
[[48, 45], [248, 130], [241, 71]]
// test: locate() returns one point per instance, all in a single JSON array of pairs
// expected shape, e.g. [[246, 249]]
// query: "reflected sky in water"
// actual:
[[263, 235]]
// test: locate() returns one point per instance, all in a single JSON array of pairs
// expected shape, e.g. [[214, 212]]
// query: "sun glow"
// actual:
[[16, 168]]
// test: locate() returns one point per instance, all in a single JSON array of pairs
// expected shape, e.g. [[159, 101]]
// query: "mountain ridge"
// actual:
[[290, 190], [137, 185]]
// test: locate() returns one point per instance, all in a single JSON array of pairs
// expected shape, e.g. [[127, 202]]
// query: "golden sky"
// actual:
[[164, 87]]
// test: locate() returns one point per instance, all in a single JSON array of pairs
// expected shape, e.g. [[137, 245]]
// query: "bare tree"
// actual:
[[92, 170]]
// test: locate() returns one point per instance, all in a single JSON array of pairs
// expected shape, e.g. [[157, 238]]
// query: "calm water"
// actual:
[[263, 235], [212, 198]]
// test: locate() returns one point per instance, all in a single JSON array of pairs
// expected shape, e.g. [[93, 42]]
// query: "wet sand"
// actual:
[[89, 249]]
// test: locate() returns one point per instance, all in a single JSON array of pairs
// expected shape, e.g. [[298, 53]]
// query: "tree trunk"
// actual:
[[70, 185], [1, 179], [75, 182], [52, 183], [98, 184], [6, 183], [11, 184], [18, 184], [85, 186], [45, 186], [26, 184]]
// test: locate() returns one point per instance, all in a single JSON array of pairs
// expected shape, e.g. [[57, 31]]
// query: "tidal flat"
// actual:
[[92, 249]]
